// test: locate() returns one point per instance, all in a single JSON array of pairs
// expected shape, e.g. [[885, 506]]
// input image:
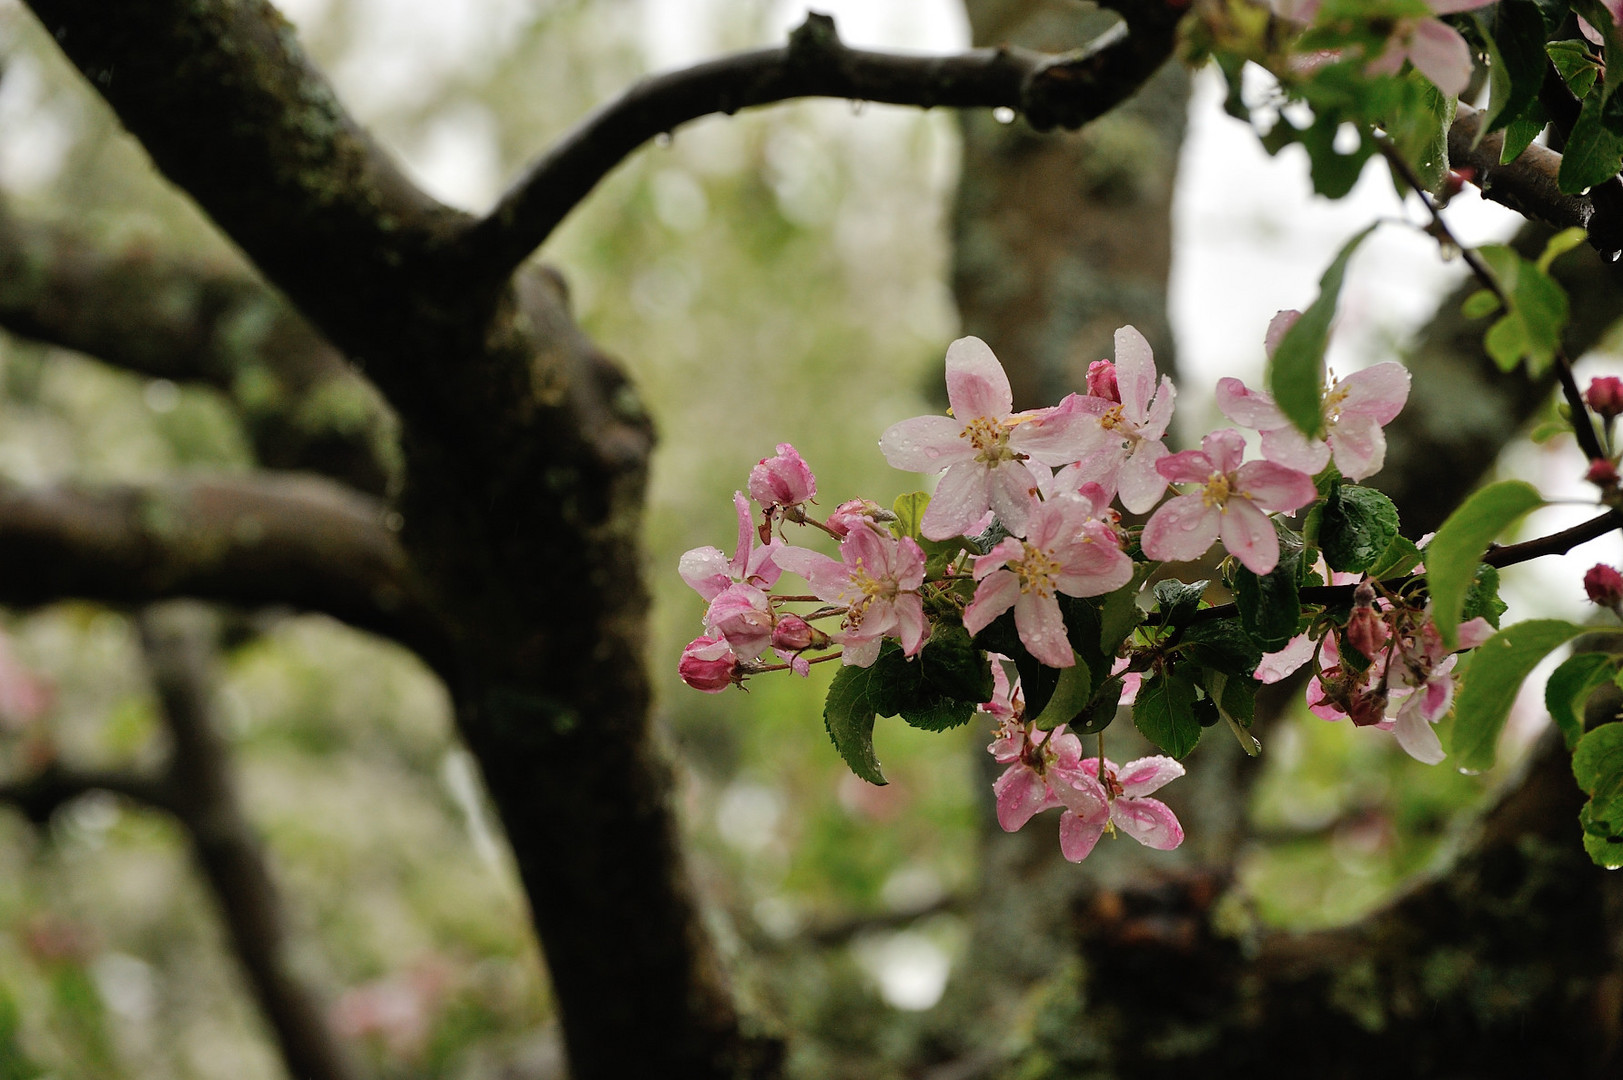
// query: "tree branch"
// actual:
[[303, 405], [1065, 91], [179, 651], [1527, 185], [288, 540], [41, 795]]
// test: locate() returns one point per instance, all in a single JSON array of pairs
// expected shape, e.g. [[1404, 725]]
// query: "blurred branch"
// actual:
[[1066, 90], [180, 652], [1527, 185], [41, 795], [268, 540], [188, 321]]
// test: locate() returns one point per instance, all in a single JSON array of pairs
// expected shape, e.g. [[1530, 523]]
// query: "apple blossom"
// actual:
[[877, 582], [709, 572], [742, 614], [1126, 806], [983, 445], [1233, 503], [1124, 448], [1067, 550], [783, 481]]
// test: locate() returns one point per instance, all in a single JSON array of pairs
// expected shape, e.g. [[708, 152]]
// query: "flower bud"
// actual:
[[1604, 586], [1367, 631], [1605, 396], [793, 634], [856, 511], [708, 664], [743, 616], [1102, 381], [782, 480], [1602, 473]]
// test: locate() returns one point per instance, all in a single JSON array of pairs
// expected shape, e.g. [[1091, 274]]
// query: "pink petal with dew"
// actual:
[[912, 627], [1226, 448], [1020, 794], [1147, 774], [976, 383], [1005, 549], [801, 666], [1417, 737], [1042, 629], [1275, 666], [1056, 436], [1475, 632], [1440, 54], [1077, 790], [1288, 447], [1181, 530], [1012, 490], [1275, 488], [907, 563], [959, 501], [925, 444], [993, 597], [826, 576], [1359, 446], [1149, 821], [1247, 407], [706, 570], [1379, 391], [1078, 835], [1187, 467], [1140, 482], [1096, 568], [1278, 326], [859, 651], [1249, 536], [1135, 372], [1155, 421]]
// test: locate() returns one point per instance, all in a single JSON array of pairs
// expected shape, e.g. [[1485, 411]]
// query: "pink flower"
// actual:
[[1125, 806], [1102, 381], [743, 615], [854, 512], [1436, 49], [1045, 771], [1604, 586], [877, 582], [1123, 450], [782, 481], [710, 572], [1354, 411], [1233, 503], [1067, 550], [983, 446], [708, 664]]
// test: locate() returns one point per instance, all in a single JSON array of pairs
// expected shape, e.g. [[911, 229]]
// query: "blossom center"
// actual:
[[1037, 571], [1219, 489], [990, 440], [868, 589]]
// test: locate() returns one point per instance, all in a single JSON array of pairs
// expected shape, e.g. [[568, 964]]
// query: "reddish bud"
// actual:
[[1102, 380], [782, 480], [1604, 586], [708, 664], [1605, 396], [793, 634], [856, 511], [1602, 473], [1367, 631]]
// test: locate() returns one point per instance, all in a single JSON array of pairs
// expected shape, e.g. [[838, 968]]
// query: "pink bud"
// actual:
[[742, 615], [1604, 585], [1605, 396], [1367, 631], [793, 634], [856, 511], [782, 480], [1602, 473], [1102, 381], [708, 664]]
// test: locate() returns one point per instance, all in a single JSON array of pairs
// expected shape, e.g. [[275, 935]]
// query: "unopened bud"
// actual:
[[782, 480], [1605, 396], [856, 511], [793, 634], [1367, 631], [1604, 586], [1102, 381], [1602, 473], [708, 664]]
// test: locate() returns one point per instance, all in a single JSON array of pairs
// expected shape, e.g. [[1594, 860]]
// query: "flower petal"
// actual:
[[1247, 407], [1182, 529], [1135, 373], [925, 444], [1147, 774], [1078, 835], [1149, 821], [1012, 491], [1020, 793], [1359, 446], [1289, 447], [1379, 391], [1417, 737], [995, 595], [1273, 487], [1140, 482], [1249, 536], [976, 383], [1440, 54], [1042, 629], [959, 501]]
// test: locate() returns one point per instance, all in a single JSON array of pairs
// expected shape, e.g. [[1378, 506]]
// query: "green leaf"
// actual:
[[1296, 374], [1497, 672], [1083, 628], [1479, 304], [1570, 687], [1562, 242], [1531, 327], [1575, 63], [1482, 598], [1270, 609], [1419, 130], [1516, 60], [1594, 153], [909, 510], [1164, 712], [1453, 554], [848, 714], [937, 713], [1071, 695], [1119, 614], [1522, 131], [1178, 600], [1359, 524], [952, 665], [1400, 557], [1333, 173], [1220, 645], [1597, 764]]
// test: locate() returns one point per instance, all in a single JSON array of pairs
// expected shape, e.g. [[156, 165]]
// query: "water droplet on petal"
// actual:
[[857, 105], [663, 140]]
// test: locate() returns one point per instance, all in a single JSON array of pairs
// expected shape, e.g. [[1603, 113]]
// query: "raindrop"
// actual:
[[1003, 114], [1613, 256], [663, 140], [857, 106]]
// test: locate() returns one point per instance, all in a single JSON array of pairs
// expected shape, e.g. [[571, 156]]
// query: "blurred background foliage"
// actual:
[[779, 276]]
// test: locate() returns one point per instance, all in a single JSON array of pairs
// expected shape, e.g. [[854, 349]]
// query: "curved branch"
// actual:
[[268, 540], [1527, 185], [1065, 91], [186, 320]]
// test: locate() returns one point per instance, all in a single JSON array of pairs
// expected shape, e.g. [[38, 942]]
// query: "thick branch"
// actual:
[[183, 320], [1065, 91], [232, 111], [266, 541], [1527, 185], [179, 650]]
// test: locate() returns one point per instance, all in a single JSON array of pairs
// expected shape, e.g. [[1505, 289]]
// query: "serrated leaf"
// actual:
[[1270, 608], [1453, 554], [1296, 374], [938, 713], [1359, 524], [1570, 687], [1236, 700], [1178, 600], [909, 510], [951, 664], [848, 715], [1101, 710], [1577, 67], [1419, 130], [1530, 329], [1220, 645], [1597, 765], [1071, 694], [1400, 557], [1164, 712], [1482, 598], [1497, 671], [1594, 153]]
